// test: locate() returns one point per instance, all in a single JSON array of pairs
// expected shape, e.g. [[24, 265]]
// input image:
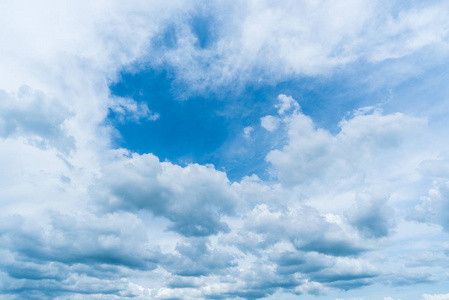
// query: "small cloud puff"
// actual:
[[270, 123], [126, 109], [286, 103], [247, 131]]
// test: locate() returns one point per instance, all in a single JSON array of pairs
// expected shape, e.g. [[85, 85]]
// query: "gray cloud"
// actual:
[[193, 198], [294, 262], [346, 274], [371, 215], [33, 115], [196, 258], [407, 278], [306, 229], [73, 245], [72, 285], [85, 240], [260, 281], [340, 272]]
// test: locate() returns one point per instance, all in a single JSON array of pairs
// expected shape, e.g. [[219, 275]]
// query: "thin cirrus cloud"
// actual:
[[352, 210]]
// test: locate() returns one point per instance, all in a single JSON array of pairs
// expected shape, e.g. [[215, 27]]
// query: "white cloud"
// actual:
[[129, 109], [286, 103], [435, 297], [194, 197], [270, 123], [272, 41], [436, 168], [434, 207], [247, 131], [350, 157], [30, 114]]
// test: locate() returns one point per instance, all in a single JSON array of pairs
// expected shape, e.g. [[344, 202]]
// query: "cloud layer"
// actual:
[[341, 210]]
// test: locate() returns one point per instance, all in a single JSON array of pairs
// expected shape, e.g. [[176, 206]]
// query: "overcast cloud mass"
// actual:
[[224, 149]]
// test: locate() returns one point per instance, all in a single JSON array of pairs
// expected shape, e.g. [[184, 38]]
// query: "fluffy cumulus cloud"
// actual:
[[194, 197], [335, 209], [313, 154]]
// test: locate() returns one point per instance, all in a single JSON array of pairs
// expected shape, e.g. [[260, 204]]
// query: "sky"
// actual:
[[224, 149]]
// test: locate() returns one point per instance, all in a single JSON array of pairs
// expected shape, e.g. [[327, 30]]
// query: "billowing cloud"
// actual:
[[365, 140], [306, 229], [270, 123], [79, 240], [193, 198]]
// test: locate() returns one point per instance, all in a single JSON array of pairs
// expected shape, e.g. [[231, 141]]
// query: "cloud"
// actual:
[[270, 123], [272, 42], [74, 285], [409, 278], [128, 109], [364, 141], [80, 219], [286, 103], [193, 198], [79, 240], [33, 115], [372, 216], [72, 254], [436, 168], [290, 262], [341, 272], [347, 273], [435, 297], [434, 207], [198, 259], [260, 281], [247, 131], [428, 259]]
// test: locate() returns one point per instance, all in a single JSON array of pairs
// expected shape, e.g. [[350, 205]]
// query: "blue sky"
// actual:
[[208, 127], [224, 150]]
